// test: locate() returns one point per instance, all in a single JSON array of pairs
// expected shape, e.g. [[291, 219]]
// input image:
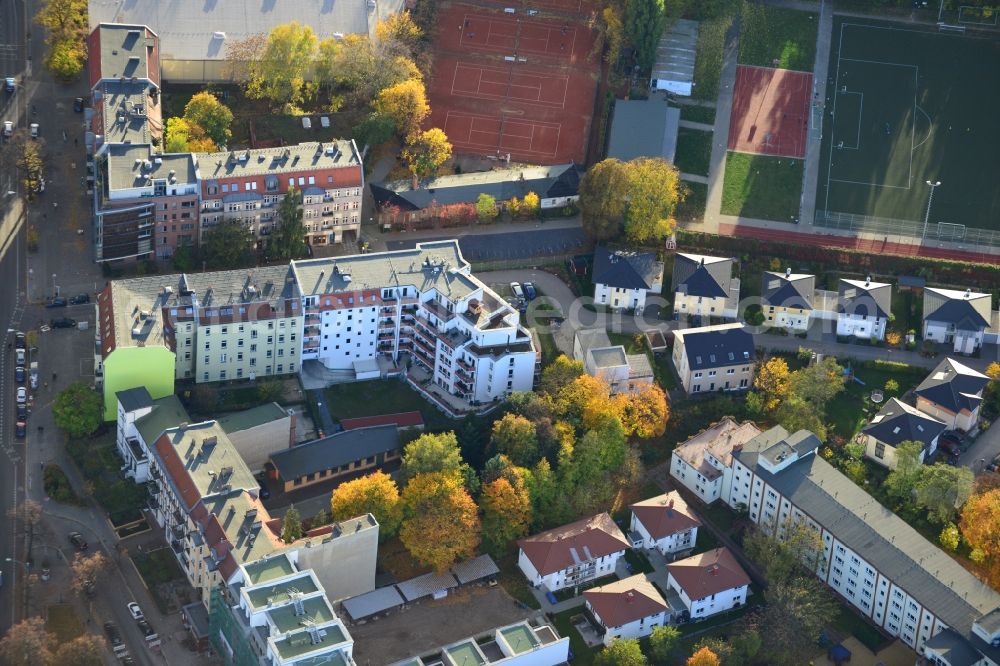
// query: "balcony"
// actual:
[[313, 318], [310, 347], [427, 349], [437, 310], [387, 323], [386, 335], [310, 331], [462, 374], [465, 365]]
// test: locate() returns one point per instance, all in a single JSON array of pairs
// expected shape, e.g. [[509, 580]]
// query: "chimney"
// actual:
[[868, 281], [703, 261], [414, 182], [788, 272], [670, 504], [968, 293], [630, 596]]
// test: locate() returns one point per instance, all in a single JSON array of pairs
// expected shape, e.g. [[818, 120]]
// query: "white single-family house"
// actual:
[[952, 394], [704, 286], [622, 372], [709, 583], [622, 279], [627, 608], [787, 299], [714, 358], [956, 317], [572, 554], [863, 308], [896, 423], [665, 523]]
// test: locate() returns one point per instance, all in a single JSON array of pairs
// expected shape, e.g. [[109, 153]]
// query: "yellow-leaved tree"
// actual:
[[772, 381], [406, 103], [440, 520], [374, 493], [506, 511], [426, 152]]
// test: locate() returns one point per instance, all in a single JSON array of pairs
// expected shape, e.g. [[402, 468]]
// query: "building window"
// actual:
[[879, 450]]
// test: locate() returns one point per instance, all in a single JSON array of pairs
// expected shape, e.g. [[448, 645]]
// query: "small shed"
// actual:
[[673, 70], [478, 568], [911, 283], [644, 128], [368, 604], [427, 585]]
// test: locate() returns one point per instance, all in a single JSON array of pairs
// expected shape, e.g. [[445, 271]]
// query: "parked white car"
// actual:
[[22, 395], [8, 128], [518, 292], [34, 130], [135, 611]]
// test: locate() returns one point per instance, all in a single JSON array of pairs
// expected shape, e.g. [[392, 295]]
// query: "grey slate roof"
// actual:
[[626, 270], [897, 422], [475, 569], [953, 648], [953, 386], [717, 346], [426, 585], [898, 551], [560, 180], [788, 290], [333, 451], [966, 309], [643, 128], [864, 298], [376, 601], [134, 398], [699, 275]]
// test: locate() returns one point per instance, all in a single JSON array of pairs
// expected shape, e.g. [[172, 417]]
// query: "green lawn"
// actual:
[[698, 114], [850, 622], [908, 309], [708, 56], [514, 582], [62, 620], [157, 566], [570, 592], [382, 396], [638, 561], [582, 655], [762, 186], [694, 151], [847, 412], [693, 207], [769, 33], [628, 341]]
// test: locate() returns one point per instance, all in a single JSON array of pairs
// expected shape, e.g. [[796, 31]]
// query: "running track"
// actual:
[[871, 246]]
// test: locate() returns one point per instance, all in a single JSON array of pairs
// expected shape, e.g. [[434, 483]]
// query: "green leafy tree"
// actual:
[[662, 641], [818, 383], [288, 242], [183, 135], [644, 23], [426, 152], [269, 390], [515, 437], [622, 652], [227, 245], [205, 110], [891, 386], [376, 494], [78, 410], [638, 197], [374, 130], [436, 452], [797, 609], [560, 373], [548, 504], [773, 380], [942, 489], [797, 414], [486, 208], [66, 23], [949, 537], [279, 73], [902, 480], [291, 525], [65, 59], [406, 103]]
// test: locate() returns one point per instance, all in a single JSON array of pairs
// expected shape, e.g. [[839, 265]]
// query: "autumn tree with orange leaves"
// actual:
[[979, 521], [440, 520], [506, 510], [703, 657]]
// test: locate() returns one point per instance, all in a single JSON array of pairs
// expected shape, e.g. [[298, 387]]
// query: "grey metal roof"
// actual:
[[307, 156], [717, 346], [425, 585], [700, 275], [864, 298], [559, 180], [126, 109], [788, 290], [188, 28], [953, 648], [477, 568], [876, 534], [134, 398], [376, 601], [125, 51], [675, 54], [897, 422], [336, 450], [953, 386], [609, 357], [643, 128], [626, 270]]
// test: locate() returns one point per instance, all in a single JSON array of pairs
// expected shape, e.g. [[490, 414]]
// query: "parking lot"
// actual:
[[429, 624]]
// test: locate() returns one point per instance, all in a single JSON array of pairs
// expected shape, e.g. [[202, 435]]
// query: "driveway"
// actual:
[[983, 450]]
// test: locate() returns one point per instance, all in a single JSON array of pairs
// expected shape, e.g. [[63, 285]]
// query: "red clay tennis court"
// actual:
[[770, 111], [513, 83]]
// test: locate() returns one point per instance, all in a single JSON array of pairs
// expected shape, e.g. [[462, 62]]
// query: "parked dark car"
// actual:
[[19, 374], [63, 322], [529, 291], [22, 412], [57, 302], [78, 541], [19, 340], [78, 105], [20, 429], [949, 445], [79, 298], [111, 629]]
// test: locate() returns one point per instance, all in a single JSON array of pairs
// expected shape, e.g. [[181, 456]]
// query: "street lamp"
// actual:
[[927, 215]]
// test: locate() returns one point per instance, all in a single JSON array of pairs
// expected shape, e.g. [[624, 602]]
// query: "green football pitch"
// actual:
[[905, 106]]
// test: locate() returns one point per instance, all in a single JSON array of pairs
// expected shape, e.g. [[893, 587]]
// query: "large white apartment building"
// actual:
[[872, 558], [356, 314], [423, 302]]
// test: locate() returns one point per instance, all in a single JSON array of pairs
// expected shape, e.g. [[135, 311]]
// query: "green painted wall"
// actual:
[[130, 367]]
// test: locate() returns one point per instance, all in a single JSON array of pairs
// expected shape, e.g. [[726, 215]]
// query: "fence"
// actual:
[[938, 231]]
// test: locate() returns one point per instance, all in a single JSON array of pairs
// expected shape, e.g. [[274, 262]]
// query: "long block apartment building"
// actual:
[[248, 185], [424, 302], [904, 584], [347, 313]]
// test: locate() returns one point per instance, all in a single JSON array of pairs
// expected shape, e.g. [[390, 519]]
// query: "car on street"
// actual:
[[78, 541], [33, 129], [20, 355], [9, 84], [62, 322], [78, 105], [22, 395], [19, 340], [135, 611], [515, 289], [19, 374], [111, 629], [529, 291], [8, 128], [79, 299], [57, 302], [22, 412], [20, 429]]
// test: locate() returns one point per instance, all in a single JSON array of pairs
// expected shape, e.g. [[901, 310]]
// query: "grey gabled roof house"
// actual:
[[954, 386], [788, 289], [701, 275], [626, 270], [897, 422], [864, 298]]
